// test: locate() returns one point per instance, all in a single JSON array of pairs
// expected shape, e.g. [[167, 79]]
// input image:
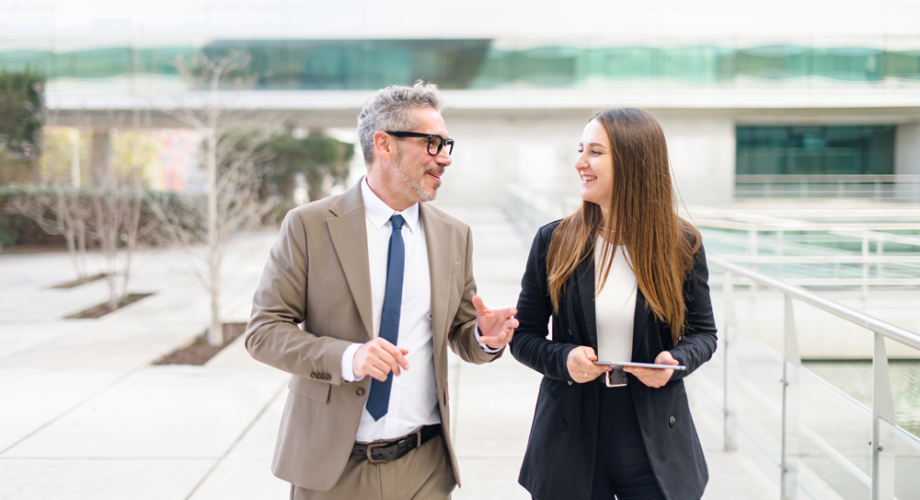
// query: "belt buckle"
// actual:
[[607, 381], [368, 453]]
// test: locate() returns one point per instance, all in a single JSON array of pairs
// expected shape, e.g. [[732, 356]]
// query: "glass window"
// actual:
[[815, 150], [484, 63]]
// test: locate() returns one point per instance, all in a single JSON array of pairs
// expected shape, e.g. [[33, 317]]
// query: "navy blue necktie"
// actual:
[[379, 398]]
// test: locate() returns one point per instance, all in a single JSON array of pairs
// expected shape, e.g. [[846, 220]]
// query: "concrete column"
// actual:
[[103, 173], [907, 160], [75, 158], [907, 149]]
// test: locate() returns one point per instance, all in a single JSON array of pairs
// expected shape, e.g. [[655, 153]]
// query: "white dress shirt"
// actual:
[[413, 394], [615, 306]]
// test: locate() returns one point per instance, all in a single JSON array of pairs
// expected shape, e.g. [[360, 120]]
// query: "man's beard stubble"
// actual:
[[417, 187]]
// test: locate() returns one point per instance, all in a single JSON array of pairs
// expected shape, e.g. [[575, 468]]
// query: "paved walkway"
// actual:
[[84, 415]]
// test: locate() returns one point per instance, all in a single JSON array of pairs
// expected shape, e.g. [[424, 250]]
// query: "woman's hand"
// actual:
[[580, 364], [654, 377]]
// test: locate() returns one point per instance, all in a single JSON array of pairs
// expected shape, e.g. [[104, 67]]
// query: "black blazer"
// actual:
[[559, 462]]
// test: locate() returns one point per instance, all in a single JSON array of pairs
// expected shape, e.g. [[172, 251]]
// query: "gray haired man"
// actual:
[[360, 297]]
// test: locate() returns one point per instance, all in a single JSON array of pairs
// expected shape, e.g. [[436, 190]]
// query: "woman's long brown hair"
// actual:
[[643, 210]]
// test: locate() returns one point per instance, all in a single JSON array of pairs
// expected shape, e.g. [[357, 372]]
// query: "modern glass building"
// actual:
[[755, 102], [467, 64]]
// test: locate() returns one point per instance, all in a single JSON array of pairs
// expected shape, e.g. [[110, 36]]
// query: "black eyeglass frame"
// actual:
[[445, 141]]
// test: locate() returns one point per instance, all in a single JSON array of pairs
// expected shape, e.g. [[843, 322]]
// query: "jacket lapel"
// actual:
[[640, 322], [348, 231], [440, 255], [584, 276]]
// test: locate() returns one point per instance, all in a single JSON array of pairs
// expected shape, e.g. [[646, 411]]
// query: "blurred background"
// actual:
[[150, 148]]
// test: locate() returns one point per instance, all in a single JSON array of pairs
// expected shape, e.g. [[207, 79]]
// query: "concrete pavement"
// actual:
[[84, 414]]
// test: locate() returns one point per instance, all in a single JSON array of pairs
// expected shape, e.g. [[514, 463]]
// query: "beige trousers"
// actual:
[[422, 474]]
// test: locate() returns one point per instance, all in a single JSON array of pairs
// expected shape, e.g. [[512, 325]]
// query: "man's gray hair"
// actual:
[[389, 109]]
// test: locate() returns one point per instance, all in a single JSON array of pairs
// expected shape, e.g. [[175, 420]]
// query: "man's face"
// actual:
[[417, 171]]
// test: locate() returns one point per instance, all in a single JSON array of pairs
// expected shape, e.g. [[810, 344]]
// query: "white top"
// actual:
[[615, 306]]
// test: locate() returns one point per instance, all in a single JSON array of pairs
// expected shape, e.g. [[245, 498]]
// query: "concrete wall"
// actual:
[[907, 149], [493, 153], [538, 153], [702, 158]]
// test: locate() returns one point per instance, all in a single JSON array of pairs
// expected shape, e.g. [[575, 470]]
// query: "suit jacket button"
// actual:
[[312, 374], [562, 425], [672, 421], [328, 377], [359, 391]]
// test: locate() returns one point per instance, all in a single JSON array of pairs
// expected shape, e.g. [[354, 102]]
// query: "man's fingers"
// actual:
[[397, 354], [505, 313], [501, 339], [377, 363], [377, 374], [479, 305], [384, 353]]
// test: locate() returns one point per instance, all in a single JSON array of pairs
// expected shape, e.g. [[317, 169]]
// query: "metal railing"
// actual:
[[766, 243], [885, 434], [901, 188]]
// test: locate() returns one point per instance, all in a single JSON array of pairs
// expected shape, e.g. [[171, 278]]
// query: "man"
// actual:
[[380, 284]]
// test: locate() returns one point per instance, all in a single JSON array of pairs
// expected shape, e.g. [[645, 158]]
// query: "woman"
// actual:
[[625, 269]]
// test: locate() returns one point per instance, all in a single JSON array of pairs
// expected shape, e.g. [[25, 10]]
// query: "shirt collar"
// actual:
[[379, 213]]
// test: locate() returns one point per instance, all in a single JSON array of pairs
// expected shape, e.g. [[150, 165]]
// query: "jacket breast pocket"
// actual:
[[552, 387], [311, 389]]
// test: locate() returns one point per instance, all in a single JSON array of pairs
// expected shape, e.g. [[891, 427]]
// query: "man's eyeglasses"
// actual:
[[435, 142]]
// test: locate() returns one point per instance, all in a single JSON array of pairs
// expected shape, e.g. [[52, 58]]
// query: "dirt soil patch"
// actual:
[[101, 310], [199, 352], [81, 281]]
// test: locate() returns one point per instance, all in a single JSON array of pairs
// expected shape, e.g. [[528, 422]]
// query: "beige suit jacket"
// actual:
[[317, 276]]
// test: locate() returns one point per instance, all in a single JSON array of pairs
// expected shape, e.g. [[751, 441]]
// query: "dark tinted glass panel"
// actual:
[[815, 150]]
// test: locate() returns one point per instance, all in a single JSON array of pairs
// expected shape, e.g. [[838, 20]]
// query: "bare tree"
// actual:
[[58, 210], [230, 141]]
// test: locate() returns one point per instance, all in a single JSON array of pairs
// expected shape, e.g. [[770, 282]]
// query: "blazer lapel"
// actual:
[[584, 276], [440, 255], [640, 322], [348, 231]]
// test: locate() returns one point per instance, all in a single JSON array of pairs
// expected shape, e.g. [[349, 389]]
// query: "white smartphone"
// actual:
[[643, 365]]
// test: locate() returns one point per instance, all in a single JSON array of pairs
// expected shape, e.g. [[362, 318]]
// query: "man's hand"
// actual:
[[654, 377], [378, 358], [496, 326], [580, 363]]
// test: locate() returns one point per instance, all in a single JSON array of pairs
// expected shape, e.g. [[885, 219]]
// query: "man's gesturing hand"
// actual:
[[378, 358], [580, 363], [496, 326], [654, 377]]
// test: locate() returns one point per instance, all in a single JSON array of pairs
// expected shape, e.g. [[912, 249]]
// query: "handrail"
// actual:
[[824, 178], [882, 477], [893, 332]]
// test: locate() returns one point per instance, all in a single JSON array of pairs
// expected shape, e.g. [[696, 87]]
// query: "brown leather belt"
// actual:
[[376, 453]]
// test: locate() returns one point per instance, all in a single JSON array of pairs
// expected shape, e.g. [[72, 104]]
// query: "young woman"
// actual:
[[623, 270]]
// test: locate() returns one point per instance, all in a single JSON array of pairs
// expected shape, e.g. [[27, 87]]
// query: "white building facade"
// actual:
[[757, 99]]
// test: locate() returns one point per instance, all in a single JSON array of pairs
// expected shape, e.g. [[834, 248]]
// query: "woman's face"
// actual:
[[595, 164]]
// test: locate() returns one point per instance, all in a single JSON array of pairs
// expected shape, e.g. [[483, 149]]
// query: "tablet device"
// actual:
[[642, 365]]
